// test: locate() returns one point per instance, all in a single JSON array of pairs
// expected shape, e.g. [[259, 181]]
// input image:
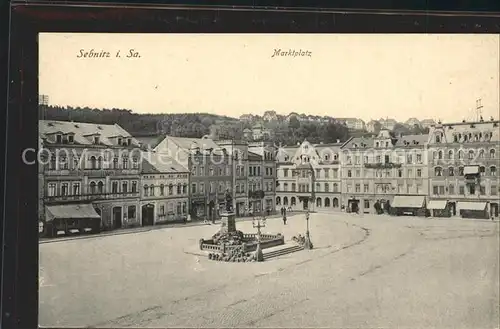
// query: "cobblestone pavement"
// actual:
[[365, 271]]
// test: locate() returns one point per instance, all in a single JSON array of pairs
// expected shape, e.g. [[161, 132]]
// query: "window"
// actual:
[[293, 201], [358, 173], [451, 189], [335, 173], [482, 170], [419, 172], [357, 159], [151, 190], [115, 163], [419, 158], [93, 162], [357, 188], [64, 189], [76, 188], [193, 188], [184, 207], [318, 173], [162, 189], [481, 153], [58, 139], [285, 172], [492, 153], [92, 187], [162, 211], [194, 171], [493, 171], [184, 189], [386, 159], [134, 187], [460, 171], [365, 188], [348, 160], [349, 173], [202, 188], [472, 190], [450, 154], [435, 190], [114, 187], [327, 187], [125, 162], [170, 189], [100, 187], [451, 171], [409, 158], [327, 173], [460, 154], [410, 173], [482, 190], [471, 154], [367, 204], [461, 190], [440, 155], [131, 212], [400, 173], [318, 187], [379, 159], [124, 187], [211, 171], [179, 188], [335, 187], [493, 190], [438, 171]]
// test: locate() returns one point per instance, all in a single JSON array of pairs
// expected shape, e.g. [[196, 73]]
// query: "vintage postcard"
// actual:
[[277, 180]]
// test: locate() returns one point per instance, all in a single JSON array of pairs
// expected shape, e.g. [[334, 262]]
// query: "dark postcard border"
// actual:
[[20, 248]]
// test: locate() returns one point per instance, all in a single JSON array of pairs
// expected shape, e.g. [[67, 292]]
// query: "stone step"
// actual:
[[282, 251]]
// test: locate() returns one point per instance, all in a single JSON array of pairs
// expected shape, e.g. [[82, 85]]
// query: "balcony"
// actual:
[[388, 165], [89, 197]]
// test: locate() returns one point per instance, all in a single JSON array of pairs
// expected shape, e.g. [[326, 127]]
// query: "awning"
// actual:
[[407, 201], [73, 211], [481, 206], [471, 170], [437, 204]]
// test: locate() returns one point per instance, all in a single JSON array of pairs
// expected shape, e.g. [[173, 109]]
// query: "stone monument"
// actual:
[[228, 217]]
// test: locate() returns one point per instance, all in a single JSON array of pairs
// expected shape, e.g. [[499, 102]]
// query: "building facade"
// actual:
[[383, 170], [165, 190], [463, 168], [266, 153], [210, 168], [90, 166], [308, 177]]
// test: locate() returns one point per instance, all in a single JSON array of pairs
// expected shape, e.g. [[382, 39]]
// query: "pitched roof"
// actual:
[[150, 141], [155, 163], [188, 143], [420, 139], [254, 156], [81, 130]]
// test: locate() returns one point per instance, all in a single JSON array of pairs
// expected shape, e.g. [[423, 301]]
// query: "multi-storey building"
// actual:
[[210, 169], [90, 169], [371, 126], [384, 169], [463, 168], [353, 123], [266, 154], [165, 189], [308, 177], [239, 155]]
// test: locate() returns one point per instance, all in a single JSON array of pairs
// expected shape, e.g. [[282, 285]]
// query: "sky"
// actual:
[[368, 76]]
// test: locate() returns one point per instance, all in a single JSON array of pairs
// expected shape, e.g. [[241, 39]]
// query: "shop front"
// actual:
[[473, 209], [439, 208], [408, 205]]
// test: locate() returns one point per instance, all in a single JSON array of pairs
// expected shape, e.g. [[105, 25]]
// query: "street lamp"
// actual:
[[307, 244], [260, 222]]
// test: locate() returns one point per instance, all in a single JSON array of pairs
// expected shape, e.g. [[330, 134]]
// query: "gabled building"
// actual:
[[90, 169], [165, 190], [263, 155], [463, 168], [308, 177], [210, 170]]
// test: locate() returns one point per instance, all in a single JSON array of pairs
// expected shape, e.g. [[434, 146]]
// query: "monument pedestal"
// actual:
[[228, 222]]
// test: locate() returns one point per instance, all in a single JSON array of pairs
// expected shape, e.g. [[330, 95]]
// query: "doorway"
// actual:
[[148, 215], [453, 208], [305, 204], [494, 209], [117, 217]]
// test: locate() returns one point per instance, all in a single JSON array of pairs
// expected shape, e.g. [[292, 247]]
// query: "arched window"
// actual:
[[335, 203], [100, 187], [146, 190], [450, 154], [318, 202], [184, 188], [99, 163], [92, 187], [335, 187], [460, 171], [493, 171], [162, 189], [438, 138], [171, 189], [152, 190], [482, 170], [481, 153], [293, 202], [278, 201], [440, 155], [471, 154], [460, 154], [438, 171], [93, 162], [451, 171], [492, 153], [285, 201], [327, 202], [179, 188]]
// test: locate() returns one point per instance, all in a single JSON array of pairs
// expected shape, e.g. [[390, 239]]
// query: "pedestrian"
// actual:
[[284, 219]]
